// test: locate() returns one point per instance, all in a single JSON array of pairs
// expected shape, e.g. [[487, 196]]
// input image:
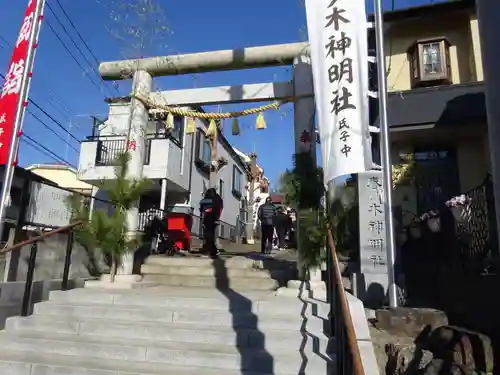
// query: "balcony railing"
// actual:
[[109, 149]]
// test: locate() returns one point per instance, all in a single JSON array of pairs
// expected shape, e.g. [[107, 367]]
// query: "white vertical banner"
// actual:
[[339, 56]]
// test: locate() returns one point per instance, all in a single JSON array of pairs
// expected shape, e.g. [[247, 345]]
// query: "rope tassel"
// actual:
[[236, 127], [260, 123], [212, 128], [169, 124], [203, 115], [190, 125]]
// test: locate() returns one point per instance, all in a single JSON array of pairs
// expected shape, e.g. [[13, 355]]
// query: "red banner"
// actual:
[[11, 89]]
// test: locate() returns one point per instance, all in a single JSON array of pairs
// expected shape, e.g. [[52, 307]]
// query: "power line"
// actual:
[[54, 120], [72, 55], [72, 39], [5, 41], [63, 110], [77, 32], [49, 116], [68, 34], [51, 130], [44, 150]]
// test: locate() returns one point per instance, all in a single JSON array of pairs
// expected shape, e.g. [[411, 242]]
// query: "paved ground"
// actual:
[[231, 249]]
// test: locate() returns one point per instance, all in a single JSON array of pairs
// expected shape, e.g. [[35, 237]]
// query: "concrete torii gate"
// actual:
[[142, 71]]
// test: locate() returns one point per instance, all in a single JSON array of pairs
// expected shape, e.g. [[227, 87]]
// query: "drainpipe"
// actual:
[[191, 162]]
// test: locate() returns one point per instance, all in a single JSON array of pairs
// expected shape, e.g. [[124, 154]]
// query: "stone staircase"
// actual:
[[237, 272], [217, 329]]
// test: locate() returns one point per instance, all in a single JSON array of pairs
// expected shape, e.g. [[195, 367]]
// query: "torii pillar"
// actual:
[[139, 115], [304, 127]]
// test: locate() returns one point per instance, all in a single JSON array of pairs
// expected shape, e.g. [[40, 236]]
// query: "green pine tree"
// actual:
[[302, 188], [107, 229]]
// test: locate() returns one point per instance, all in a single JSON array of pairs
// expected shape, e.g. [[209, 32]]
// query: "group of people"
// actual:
[[275, 221]]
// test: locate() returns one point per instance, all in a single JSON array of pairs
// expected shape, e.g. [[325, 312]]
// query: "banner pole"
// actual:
[[20, 110], [385, 154]]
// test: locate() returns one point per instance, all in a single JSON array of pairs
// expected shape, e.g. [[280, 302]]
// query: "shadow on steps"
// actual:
[[256, 359]]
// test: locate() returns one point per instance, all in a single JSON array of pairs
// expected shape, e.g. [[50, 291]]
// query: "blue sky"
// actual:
[[62, 88]]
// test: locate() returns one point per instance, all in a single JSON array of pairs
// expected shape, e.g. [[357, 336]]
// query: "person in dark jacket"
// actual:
[[266, 214], [211, 207], [282, 223]]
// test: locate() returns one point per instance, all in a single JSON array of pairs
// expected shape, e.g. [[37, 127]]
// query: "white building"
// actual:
[[178, 163], [261, 187]]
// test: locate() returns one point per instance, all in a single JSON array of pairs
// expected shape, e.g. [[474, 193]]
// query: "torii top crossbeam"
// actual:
[[244, 58]]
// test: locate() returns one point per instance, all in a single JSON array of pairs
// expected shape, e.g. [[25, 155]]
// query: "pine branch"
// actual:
[[107, 229]]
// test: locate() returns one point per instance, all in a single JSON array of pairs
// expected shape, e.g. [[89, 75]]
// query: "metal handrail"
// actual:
[[26, 303], [41, 237], [344, 310]]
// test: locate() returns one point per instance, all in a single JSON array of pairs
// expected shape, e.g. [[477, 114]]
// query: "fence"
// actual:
[[348, 323], [457, 248], [109, 149], [225, 230], [456, 268]]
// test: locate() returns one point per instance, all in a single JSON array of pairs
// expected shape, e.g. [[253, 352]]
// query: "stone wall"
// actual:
[[50, 258], [468, 300], [11, 295]]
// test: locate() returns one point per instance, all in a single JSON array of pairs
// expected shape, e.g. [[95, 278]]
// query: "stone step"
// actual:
[[251, 273], [178, 354], [32, 363], [251, 261], [187, 317], [221, 283], [99, 328], [181, 298]]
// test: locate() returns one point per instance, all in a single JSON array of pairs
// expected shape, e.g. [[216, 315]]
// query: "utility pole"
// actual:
[[385, 153], [213, 157], [251, 199]]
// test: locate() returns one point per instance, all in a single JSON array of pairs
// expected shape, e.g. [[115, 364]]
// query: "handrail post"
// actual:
[[348, 355], [26, 306], [67, 259]]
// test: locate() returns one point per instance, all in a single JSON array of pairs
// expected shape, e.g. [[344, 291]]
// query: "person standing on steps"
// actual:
[[282, 223], [266, 214], [211, 207]]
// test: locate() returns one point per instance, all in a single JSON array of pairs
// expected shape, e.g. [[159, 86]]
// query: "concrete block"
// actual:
[[162, 292], [81, 349], [213, 282], [246, 320], [264, 337], [223, 357], [255, 261], [46, 364], [182, 303], [103, 312], [186, 316], [82, 296], [236, 262], [121, 282], [368, 358], [251, 273], [278, 307], [246, 360], [33, 324], [15, 368]]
